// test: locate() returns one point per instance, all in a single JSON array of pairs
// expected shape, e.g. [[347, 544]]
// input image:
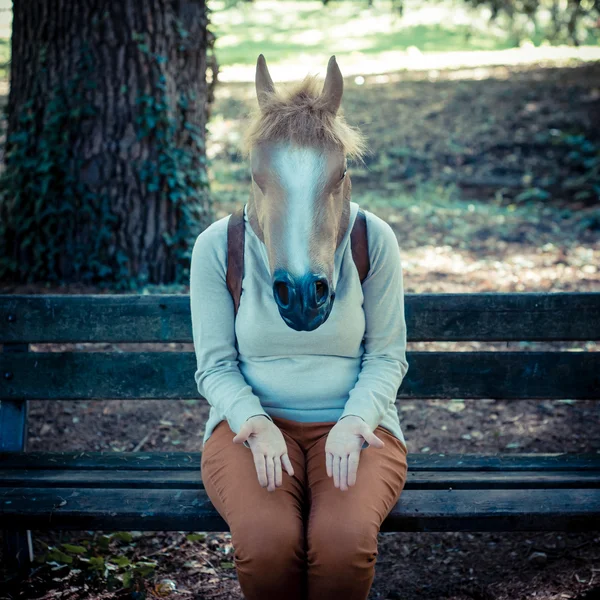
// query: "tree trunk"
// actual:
[[105, 172]]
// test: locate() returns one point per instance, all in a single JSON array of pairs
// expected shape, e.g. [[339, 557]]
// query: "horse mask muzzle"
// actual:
[[305, 302]]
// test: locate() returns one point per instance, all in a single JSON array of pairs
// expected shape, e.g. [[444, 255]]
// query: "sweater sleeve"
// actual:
[[217, 376], [384, 363]]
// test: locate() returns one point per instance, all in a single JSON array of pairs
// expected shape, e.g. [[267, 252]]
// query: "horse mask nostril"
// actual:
[[282, 294], [322, 290]]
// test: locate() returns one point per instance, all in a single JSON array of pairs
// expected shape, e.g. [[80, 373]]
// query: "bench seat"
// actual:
[[164, 491]]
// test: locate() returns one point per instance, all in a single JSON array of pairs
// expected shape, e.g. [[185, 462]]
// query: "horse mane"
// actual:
[[298, 115]]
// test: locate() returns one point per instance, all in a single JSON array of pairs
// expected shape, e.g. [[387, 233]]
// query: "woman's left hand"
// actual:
[[342, 449]]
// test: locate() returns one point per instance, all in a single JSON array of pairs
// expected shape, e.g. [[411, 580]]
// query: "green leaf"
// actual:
[[96, 563], [74, 549], [146, 563], [143, 569], [127, 579], [57, 556], [123, 536], [120, 561], [196, 537]]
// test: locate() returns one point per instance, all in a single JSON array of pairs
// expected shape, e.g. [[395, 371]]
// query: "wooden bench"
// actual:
[[163, 491]]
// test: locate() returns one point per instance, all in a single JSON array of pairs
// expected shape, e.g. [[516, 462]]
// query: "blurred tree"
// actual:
[[568, 18], [105, 173]]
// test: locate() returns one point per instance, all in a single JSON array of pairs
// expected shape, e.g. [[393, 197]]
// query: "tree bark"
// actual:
[[105, 177]]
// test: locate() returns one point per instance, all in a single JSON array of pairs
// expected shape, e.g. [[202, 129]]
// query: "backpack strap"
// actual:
[[235, 251], [235, 256], [360, 245]]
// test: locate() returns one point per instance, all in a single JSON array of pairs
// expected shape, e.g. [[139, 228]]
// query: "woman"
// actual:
[[303, 452]]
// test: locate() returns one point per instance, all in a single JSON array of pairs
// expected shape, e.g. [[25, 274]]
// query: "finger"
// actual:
[[344, 473], [270, 473], [373, 439], [329, 463], [353, 467], [242, 435], [287, 463], [278, 473], [336, 471], [261, 471]]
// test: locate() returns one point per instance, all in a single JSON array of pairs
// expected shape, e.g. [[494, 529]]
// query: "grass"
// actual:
[[5, 32], [286, 29], [4, 58]]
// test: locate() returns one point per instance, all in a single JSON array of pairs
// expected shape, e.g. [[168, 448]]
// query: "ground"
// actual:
[[483, 176]]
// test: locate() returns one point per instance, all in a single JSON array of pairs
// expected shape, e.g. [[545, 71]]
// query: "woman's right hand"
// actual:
[[268, 448]]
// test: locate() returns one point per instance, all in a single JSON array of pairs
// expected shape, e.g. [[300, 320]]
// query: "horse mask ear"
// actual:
[[264, 83], [333, 88]]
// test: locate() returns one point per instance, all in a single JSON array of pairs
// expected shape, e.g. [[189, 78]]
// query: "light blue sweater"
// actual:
[[307, 376]]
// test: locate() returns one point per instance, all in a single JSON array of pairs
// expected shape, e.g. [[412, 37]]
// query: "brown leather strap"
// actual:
[[235, 251], [360, 245], [235, 256]]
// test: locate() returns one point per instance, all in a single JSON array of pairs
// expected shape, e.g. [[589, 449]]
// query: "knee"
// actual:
[[269, 544], [340, 546]]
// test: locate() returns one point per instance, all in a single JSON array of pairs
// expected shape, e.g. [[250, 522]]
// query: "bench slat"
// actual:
[[170, 375], [54, 478], [190, 461], [531, 316], [191, 510]]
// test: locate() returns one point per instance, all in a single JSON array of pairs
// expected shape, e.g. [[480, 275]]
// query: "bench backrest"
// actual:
[[167, 374]]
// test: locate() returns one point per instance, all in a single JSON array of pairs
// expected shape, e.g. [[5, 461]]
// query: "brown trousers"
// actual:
[[307, 540]]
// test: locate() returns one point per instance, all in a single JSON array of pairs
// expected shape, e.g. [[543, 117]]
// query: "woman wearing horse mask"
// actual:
[[297, 307]]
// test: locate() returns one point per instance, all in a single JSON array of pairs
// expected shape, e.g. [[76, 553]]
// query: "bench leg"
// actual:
[[17, 546], [17, 550]]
